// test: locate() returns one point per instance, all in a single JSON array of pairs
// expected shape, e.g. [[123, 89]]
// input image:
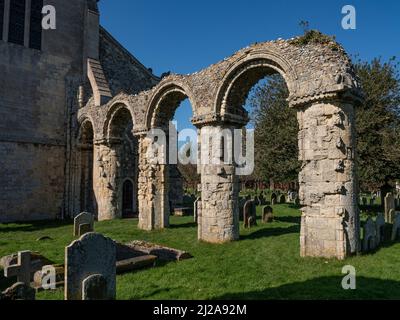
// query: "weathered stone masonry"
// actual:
[[78, 133], [322, 88]]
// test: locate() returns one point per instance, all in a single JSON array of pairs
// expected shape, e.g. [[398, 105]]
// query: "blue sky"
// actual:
[[184, 36]]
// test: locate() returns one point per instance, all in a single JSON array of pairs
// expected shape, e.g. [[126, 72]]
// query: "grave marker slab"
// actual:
[[92, 254], [85, 218], [369, 240], [389, 205], [22, 270], [380, 228]]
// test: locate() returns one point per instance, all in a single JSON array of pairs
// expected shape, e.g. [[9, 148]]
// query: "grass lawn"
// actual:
[[264, 264]]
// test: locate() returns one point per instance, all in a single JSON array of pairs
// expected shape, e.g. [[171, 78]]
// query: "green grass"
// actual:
[[264, 264]]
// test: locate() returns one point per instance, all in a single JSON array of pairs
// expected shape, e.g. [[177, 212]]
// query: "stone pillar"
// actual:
[[219, 218], [328, 186], [105, 168], [153, 190]]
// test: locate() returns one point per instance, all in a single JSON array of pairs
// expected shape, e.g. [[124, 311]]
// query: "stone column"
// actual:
[[219, 218], [153, 190], [105, 168], [328, 186]]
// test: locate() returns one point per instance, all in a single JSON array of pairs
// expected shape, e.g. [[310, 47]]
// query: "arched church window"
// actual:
[[1, 18], [17, 22], [35, 32]]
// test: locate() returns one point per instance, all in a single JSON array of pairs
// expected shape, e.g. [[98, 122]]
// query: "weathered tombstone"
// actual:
[[380, 228], [249, 210], [86, 219], [282, 199], [369, 241], [92, 254], [94, 287], [18, 291], [389, 205], [267, 214], [22, 270], [273, 199], [196, 209], [396, 227]]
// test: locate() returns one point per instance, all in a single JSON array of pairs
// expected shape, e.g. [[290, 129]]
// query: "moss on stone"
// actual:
[[316, 37]]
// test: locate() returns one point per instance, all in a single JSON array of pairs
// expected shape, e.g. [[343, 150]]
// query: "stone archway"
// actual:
[[116, 161], [154, 175], [323, 89]]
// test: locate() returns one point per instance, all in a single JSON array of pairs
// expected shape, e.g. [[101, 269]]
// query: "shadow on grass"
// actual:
[[183, 225], [288, 219], [33, 226], [323, 288], [270, 232]]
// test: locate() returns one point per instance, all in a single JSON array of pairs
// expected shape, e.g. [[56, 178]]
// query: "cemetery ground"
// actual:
[[264, 264]]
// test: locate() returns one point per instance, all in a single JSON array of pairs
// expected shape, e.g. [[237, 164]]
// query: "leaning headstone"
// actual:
[[267, 214], [92, 254], [380, 228], [396, 227], [249, 214], [19, 291], [282, 199], [83, 222], [22, 270], [389, 205], [369, 241]]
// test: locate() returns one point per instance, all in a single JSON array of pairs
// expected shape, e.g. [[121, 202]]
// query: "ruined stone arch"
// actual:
[[119, 114], [246, 72], [164, 102], [86, 130]]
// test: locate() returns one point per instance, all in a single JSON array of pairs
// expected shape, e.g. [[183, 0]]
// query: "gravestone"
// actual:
[[94, 287], [18, 291], [380, 228], [92, 254], [263, 202], [196, 209], [282, 199], [267, 214], [273, 199], [22, 270], [86, 220], [369, 240], [249, 214], [396, 227], [257, 201], [389, 205]]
